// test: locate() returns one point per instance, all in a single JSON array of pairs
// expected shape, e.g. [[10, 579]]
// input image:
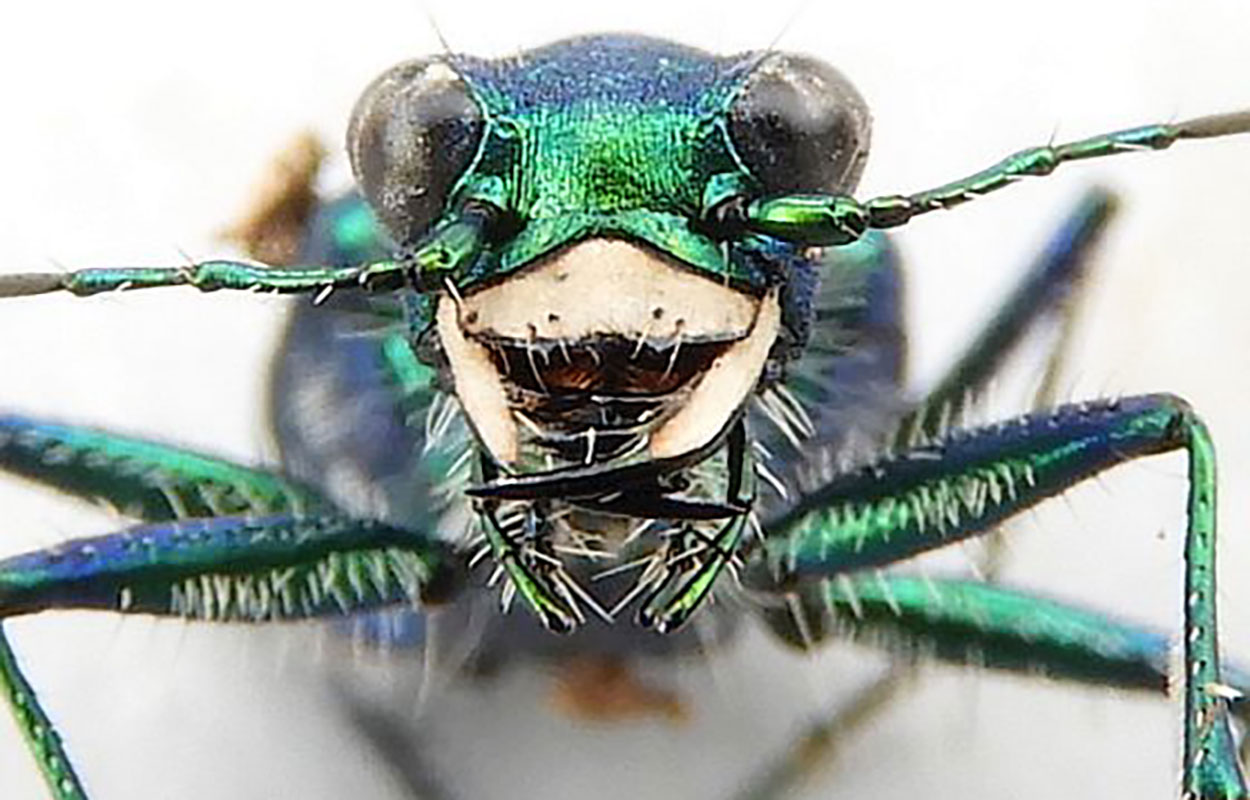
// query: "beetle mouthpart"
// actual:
[[604, 350]]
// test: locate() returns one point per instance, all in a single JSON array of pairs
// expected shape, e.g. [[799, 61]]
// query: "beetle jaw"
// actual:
[[604, 340]]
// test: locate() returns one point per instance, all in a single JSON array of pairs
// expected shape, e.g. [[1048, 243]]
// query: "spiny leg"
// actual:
[[1052, 287], [197, 568], [985, 625], [965, 484], [143, 479], [242, 569], [961, 621], [375, 394], [1049, 288]]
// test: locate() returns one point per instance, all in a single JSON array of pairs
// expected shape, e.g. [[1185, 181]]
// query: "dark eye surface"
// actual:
[[412, 135], [800, 126]]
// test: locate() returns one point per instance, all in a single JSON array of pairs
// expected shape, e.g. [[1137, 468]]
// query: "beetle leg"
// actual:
[[37, 729], [245, 569], [143, 479], [1051, 288], [839, 385], [975, 623], [964, 485], [965, 622]]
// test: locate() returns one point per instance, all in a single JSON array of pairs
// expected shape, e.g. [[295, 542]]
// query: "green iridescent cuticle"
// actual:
[[638, 139]]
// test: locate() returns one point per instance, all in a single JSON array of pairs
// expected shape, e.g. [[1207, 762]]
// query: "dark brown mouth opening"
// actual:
[[589, 400]]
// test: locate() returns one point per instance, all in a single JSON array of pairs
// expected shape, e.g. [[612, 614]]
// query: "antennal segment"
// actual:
[[824, 220]]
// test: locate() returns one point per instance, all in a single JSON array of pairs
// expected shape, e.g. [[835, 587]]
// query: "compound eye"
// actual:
[[800, 126], [413, 133]]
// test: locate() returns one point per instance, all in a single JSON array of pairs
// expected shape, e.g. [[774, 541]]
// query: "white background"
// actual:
[[133, 130]]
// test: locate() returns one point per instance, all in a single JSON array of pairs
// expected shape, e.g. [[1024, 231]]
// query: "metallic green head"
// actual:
[[611, 136], [603, 317]]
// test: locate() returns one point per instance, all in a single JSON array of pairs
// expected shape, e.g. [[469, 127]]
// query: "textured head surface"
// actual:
[[610, 136], [606, 135]]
